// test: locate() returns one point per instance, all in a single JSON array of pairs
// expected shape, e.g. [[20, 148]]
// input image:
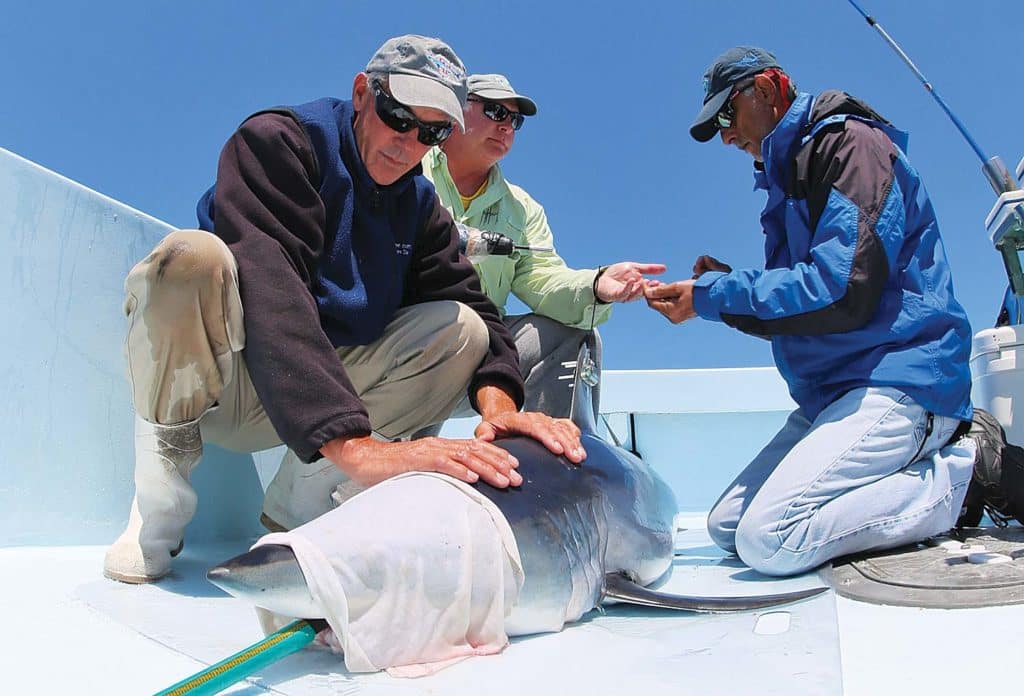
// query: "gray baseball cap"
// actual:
[[497, 87], [724, 73], [423, 71]]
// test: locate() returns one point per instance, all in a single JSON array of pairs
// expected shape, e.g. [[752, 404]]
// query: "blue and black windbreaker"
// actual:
[[856, 290]]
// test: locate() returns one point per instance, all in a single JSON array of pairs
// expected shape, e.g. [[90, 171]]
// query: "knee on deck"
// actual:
[[722, 529], [762, 547]]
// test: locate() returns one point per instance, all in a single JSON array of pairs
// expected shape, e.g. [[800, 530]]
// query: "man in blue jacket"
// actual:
[[323, 305], [857, 299]]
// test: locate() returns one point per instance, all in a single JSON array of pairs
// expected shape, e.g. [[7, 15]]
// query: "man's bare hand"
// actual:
[[368, 461], [673, 300], [706, 263], [624, 281], [560, 435]]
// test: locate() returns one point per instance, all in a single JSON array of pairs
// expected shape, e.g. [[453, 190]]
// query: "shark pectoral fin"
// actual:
[[619, 587]]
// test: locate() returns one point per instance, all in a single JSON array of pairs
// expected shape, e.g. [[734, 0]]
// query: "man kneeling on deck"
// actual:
[[360, 317], [857, 299]]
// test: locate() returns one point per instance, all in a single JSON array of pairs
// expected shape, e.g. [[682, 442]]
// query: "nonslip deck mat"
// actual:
[[979, 567]]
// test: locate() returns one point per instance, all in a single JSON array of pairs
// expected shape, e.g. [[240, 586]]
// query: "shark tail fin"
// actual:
[[585, 377], [619, 587]]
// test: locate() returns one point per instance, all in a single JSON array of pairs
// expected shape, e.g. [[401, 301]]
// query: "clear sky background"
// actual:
[[135, 100]]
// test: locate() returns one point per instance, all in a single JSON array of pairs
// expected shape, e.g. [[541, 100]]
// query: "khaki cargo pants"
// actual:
[[185, 337]]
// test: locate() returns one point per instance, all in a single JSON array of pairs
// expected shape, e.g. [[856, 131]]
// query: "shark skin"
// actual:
[[588, 533]]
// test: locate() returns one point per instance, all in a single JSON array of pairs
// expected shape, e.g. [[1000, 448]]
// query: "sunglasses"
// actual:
[[399, 117], [500, 112], [727, 114]]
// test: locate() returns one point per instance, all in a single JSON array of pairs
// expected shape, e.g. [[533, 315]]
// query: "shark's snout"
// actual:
[[270, 577], [218, 575]]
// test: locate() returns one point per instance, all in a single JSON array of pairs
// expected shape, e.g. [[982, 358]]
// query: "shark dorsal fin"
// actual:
[[584, 379], [620, 588]]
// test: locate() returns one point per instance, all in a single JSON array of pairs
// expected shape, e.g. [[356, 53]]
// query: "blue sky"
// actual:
[[136, 99]]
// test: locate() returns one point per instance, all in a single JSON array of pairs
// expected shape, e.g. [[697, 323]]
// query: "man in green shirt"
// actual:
[[566, 303]]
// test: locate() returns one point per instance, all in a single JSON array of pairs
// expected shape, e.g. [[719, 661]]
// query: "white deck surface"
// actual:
[[75, 632]]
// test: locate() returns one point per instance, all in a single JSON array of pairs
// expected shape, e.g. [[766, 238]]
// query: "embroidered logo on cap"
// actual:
[[749, 58], [447, 69]]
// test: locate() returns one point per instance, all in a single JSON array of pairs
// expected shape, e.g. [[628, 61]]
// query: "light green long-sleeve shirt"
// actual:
[[540, 279]]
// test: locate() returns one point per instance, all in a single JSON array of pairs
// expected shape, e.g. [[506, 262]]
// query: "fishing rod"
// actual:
[[1005, 222], [995, 171]]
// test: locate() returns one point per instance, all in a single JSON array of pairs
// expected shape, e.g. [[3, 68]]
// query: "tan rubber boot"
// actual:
[[164, 502], [299, 492]]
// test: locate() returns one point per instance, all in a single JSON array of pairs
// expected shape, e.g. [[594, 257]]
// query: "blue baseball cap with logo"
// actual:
[[726, 70]]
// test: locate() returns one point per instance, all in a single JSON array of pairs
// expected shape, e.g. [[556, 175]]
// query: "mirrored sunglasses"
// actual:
[[500, 112], [727, 114], [399, 117]]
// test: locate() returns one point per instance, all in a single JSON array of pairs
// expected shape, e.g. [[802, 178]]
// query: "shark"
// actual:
[[587, 535]]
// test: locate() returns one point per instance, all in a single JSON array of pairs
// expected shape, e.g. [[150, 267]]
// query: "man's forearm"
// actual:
[[492, 401], [346, 453]]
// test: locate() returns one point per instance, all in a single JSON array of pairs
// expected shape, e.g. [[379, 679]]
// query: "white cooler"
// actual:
[[997, 372]]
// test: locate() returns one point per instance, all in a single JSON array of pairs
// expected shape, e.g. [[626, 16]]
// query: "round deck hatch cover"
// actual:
[[977, 567]]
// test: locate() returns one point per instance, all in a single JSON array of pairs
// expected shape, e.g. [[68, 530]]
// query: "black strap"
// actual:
[[597, 277], [929, 424], [961, 431]]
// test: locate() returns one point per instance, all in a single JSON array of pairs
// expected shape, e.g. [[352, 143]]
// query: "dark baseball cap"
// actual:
[[727, 70]]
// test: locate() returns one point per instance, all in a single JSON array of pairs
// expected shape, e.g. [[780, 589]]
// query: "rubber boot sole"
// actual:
[[141, 579]]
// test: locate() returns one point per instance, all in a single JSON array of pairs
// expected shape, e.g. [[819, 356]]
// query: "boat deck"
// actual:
[[65, 440]]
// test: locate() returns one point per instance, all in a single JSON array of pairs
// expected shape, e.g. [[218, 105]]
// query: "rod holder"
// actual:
[[1005, 225], [999, 176]]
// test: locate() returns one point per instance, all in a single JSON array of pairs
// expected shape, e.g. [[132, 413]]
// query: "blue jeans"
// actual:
[[863, 475]]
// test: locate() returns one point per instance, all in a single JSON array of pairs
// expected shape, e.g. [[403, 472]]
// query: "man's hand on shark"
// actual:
[[368, 461], [559, 435], [500, 417]]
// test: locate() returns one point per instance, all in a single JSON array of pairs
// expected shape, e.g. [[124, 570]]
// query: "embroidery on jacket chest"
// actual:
[[489, 216]]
